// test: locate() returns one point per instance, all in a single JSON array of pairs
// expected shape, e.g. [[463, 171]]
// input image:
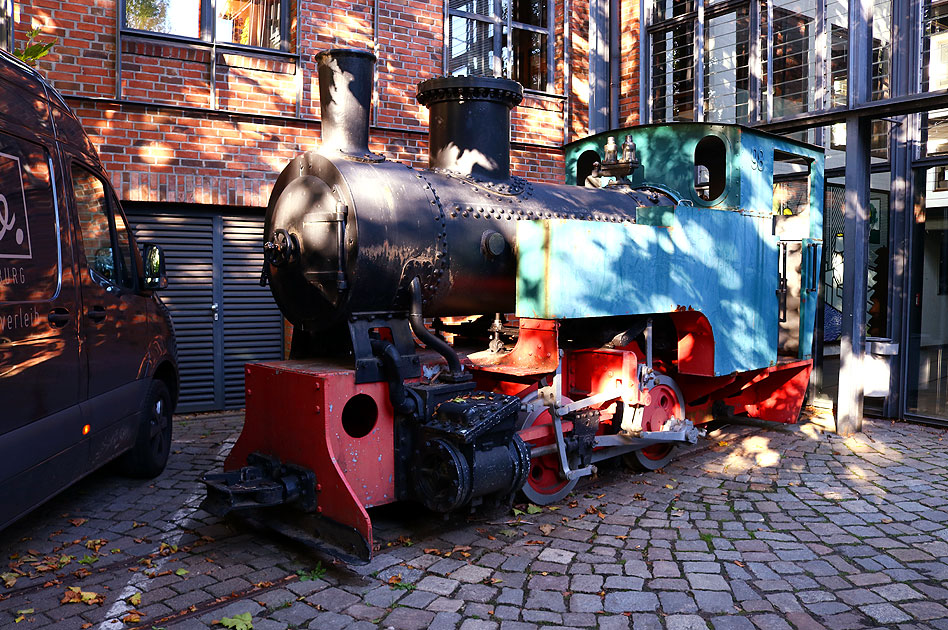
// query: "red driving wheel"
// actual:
[[666, 403]]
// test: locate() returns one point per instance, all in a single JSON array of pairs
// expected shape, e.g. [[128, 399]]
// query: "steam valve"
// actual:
[[282, 248]]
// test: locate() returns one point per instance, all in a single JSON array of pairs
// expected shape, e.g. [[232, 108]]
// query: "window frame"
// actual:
[[503, 47], [208, 30]]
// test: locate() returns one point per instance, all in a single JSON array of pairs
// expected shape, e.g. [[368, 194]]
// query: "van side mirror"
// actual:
[[155, 275]]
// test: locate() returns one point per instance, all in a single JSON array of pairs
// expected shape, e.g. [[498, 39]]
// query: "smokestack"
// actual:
[[469, 124], [345, 95]]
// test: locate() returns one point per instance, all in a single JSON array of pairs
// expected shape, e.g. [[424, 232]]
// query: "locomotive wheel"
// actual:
[[545, 482], [666, 403]]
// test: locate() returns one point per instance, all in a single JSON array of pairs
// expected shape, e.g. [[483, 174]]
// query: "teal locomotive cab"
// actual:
[[718, 173]]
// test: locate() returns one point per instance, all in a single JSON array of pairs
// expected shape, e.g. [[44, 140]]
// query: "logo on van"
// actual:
[[14, 225]]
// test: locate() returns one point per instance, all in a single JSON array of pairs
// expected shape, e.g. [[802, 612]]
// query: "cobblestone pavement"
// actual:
[[754, 528]]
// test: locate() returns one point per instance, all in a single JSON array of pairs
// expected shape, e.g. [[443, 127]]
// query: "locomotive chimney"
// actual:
[[345, 95], [469, 123]]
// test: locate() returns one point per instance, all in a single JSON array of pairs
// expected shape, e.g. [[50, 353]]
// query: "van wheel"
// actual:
[[150, 454]]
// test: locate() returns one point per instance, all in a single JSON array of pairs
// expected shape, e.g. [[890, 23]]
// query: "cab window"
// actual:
[[107, 252], [125, 269]]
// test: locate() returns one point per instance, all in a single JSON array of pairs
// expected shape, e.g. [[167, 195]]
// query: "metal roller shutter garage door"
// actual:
[[223, 318]]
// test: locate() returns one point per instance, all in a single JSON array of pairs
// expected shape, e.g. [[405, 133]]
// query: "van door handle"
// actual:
[[97, 313], [59, 317]]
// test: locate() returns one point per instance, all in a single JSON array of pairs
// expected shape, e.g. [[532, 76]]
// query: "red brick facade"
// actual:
[[195, 124]]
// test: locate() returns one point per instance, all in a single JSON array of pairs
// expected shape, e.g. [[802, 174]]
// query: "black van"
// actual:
[[87, 355]]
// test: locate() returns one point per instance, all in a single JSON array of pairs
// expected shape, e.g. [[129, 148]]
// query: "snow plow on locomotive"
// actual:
[[674, 286]]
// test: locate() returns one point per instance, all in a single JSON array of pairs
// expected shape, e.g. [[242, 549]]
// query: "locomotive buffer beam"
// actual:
[[282, 498], [265, 482]]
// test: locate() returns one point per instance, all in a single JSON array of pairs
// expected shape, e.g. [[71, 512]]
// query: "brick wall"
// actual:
[[198, 126]]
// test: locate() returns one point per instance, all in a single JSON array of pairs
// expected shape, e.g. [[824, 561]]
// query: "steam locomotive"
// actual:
[[561, 325]]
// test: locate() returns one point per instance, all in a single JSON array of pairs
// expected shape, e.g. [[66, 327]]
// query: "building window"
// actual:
[[504, 38], [6, 25], [254, 23], [941, 179], [726, 70], [673, 71]]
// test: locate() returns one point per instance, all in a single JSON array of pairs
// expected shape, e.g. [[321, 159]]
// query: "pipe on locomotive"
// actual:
[[345, 98], [460, 110]]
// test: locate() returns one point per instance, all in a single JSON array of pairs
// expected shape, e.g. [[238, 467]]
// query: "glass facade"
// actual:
[[928, 340], [778, 62]]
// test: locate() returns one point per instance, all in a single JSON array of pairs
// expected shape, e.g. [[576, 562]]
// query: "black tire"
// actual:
[[150, 454]]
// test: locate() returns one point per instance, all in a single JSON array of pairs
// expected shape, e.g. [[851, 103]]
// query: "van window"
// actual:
[[30, 266], [126, 270], [108, 260]]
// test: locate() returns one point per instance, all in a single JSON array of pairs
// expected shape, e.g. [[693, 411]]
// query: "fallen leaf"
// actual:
[[181, 572], [461, 548], [535, 542], [135, 600], [395, 579], [95, 544], [78, 521], [131, 618], [9, 579], [547, 529], [433, 551], [242, 621], [75, 595], [533, 509], [26, 611], [489, 537]]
